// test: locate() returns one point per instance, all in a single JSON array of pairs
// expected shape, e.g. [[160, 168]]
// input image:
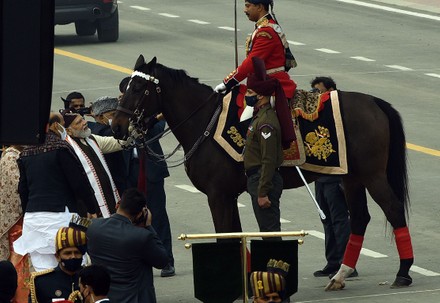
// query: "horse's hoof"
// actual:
[[401, 282], [335, 285]]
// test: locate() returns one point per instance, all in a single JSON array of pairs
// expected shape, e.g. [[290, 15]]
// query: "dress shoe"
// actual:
[[352, 275], [325, 271], [168, 271]]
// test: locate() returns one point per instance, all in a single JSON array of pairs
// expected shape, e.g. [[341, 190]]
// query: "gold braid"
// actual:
[[75, 295]]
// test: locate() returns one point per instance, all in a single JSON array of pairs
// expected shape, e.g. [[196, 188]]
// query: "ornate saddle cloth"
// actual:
[[320, 145]]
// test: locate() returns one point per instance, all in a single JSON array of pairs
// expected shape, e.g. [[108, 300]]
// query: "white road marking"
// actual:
[[433, 75], [391, 9], [228, 28], [284, 220], [198, 21], [240, 205], [353, 298], [364, 251], [141, 8], [327, 51], [189, 188], [360, 58], [295, 42], [168, 15], [423, 271], [399, 67]]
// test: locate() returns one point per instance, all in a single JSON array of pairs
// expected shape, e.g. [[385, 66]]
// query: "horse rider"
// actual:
[[267, 42]]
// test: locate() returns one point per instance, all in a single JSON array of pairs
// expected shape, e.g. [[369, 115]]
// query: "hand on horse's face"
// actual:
[[264, 202]]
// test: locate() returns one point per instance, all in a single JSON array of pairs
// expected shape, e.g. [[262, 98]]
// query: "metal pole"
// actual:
[[301, 233], [244, 257], [321, 213], [235, 34]]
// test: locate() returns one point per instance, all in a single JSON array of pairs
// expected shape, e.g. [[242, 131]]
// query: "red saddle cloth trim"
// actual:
[[240, 99]]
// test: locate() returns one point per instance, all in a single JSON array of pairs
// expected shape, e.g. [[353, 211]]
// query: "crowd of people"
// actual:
[[82, 198]]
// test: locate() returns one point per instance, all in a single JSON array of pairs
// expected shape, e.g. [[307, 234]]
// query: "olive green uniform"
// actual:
[[263, 155]]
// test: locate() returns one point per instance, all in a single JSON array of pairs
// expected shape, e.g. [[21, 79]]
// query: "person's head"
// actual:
[[70, 246], [259, 86], [269, 286], [56, 123], [256, 9], [8, 281], [133, 204], [94, 283], [74, 100], [75, 124], [104, 109], [323, 84]]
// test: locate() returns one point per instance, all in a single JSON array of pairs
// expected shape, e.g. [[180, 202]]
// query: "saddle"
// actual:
[[320, 144]]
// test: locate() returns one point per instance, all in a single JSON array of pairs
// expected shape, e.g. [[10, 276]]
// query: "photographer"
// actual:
[[128, 246], [76, 102]]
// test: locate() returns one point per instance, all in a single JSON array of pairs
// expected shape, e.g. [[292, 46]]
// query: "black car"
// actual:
[[90, 16]]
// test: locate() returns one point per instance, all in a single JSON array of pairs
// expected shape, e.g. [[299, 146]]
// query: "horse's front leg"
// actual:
[[224, 211], [359, 218]]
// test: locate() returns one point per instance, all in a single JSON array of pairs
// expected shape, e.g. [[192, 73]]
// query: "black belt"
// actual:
[[253, 170]]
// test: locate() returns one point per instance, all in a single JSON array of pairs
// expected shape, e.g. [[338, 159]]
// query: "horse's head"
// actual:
[[140, 100]]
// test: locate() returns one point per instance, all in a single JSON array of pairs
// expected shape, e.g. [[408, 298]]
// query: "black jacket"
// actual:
[[129, 253], [52, 180]]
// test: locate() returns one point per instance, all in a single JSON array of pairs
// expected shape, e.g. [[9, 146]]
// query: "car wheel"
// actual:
[[85, 28], [108, 28]]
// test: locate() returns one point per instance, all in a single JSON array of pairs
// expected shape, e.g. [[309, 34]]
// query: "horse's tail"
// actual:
[[397, 160]]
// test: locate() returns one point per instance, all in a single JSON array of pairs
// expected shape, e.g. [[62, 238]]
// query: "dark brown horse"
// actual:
[[376, 154]]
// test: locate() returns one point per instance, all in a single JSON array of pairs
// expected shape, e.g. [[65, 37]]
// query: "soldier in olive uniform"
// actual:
[[263, 154], [60, 282]]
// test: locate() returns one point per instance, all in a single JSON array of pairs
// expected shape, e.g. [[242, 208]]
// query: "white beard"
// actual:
[[82, 133]]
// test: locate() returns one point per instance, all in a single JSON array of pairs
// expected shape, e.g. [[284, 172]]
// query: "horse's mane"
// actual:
[[180, 75]]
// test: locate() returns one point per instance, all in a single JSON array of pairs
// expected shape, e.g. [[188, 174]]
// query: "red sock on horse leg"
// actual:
[[353, 250], [403, 243]]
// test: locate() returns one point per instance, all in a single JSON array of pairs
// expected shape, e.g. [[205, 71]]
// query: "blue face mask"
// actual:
[[251, 100]]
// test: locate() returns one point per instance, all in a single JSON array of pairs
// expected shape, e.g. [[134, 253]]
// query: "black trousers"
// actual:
[[331, 199], [156, 201], [268, 219]]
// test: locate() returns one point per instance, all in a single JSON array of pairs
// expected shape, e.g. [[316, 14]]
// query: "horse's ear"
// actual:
[[140, 61], [152, 63]]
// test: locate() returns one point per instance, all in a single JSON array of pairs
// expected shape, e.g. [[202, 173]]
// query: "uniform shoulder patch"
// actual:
[[264, 34], [266, 125]]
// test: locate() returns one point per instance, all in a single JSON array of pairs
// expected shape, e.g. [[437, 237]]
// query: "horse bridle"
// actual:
[[136, 116], [139, 115]]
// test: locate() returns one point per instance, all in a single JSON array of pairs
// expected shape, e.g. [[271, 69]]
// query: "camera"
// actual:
[[83, 111]]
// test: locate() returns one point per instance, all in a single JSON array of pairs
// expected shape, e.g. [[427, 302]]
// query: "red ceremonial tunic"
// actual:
[[265, 44]]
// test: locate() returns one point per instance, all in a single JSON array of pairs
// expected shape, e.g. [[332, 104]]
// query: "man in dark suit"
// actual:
[[128, 246], [94, 284]]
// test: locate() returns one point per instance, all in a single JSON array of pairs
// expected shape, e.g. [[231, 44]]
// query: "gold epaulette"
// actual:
[[262, 22], [32, 282], [263, 34]]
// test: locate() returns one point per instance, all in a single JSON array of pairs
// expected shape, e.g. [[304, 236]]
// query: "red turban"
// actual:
[[263, 85]]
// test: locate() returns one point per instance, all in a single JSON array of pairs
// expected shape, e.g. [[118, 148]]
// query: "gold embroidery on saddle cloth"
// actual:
[[318, 144], [235, 136]]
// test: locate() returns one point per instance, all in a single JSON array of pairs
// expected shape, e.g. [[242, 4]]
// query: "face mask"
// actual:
[[62, 131], [251, 100], [110, 122], [72, 265]]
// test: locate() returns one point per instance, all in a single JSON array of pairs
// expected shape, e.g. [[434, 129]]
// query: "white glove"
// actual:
[[221, 88]]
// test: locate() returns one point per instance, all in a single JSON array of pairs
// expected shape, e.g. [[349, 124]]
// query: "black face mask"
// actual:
[[72, 265], [251, 100]]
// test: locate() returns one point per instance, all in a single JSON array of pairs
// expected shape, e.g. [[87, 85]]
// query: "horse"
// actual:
[[375, 143]]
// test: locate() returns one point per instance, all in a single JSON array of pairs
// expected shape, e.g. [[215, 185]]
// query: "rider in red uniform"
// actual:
[[266, 42]]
